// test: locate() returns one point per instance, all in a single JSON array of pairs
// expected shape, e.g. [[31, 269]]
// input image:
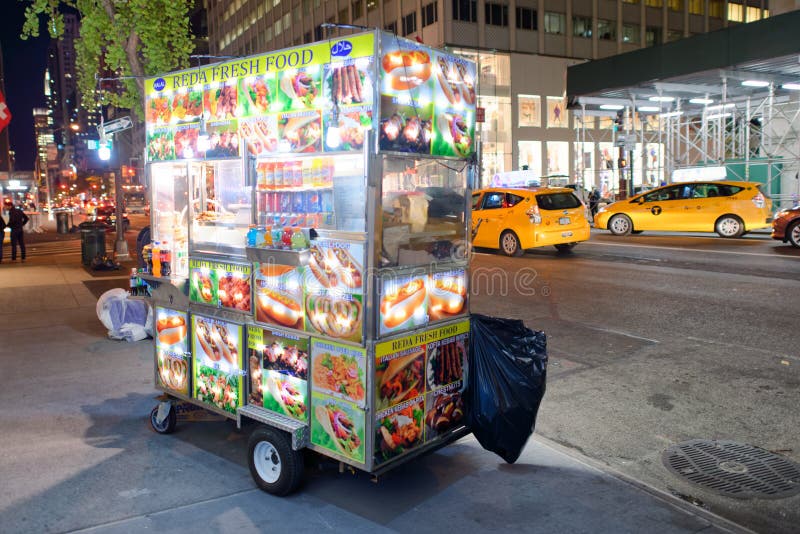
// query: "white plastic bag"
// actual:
[[128, 319]]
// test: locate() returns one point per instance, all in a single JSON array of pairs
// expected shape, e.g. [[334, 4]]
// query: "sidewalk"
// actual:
[[78, 453]]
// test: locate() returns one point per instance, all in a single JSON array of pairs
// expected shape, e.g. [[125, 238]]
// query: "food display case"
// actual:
[[322, 193]]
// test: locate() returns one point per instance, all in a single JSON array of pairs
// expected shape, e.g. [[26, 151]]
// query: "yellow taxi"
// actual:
[[514, 219], [726, 207]]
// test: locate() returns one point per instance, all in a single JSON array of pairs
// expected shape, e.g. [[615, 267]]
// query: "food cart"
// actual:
[[309, 266]]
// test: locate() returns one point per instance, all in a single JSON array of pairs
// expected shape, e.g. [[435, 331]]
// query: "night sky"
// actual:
[[24, 63]]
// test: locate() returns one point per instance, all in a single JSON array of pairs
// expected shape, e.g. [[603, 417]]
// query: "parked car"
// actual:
[[786, 226], [108, 215], [726, 207], [515, 219]]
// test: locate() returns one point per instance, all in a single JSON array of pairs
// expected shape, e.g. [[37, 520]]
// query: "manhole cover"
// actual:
[[734, 469]]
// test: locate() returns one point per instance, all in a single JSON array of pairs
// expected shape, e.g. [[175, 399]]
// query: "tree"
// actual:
[[129, 39]]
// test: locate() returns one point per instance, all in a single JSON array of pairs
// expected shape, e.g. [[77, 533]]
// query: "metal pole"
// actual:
[[121, 246]]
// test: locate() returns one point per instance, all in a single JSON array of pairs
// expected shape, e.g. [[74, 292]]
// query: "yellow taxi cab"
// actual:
[[514, 219], [726, 207]]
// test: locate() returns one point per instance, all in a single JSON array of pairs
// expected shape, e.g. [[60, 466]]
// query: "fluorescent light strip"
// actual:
[[755, 83], [717, 116], [791, 86], [720, 106], [611, 107], [661, 99], [648, 108], [671, 114], [701, 101]]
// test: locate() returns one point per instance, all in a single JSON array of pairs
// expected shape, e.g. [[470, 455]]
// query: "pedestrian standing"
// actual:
[[2, 235], [17, 220], [594, 199]]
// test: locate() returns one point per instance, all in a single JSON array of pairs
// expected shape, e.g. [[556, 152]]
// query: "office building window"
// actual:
[[465, 10], [372, 5], [526, 18], [753, 14], [555, 23], [607, 30], [652, 36], [674, 35], [409, 24], [429, 14], [307, 37], [582, 27], [287, 21], [306, 7], [675, 5], [696, 7], [358, 8], [715, 9], [630, 33], [391, 27], [653, 3], [278, 27], [735, 12], [496, 14], [630, 1], [318, 33]]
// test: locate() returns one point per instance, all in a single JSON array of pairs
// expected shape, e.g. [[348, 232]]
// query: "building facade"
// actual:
[[522, 48]]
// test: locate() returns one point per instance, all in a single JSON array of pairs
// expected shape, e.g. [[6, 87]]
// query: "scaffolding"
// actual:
[[753, 138]]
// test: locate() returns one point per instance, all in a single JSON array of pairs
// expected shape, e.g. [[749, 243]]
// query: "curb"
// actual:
[[716, 520]]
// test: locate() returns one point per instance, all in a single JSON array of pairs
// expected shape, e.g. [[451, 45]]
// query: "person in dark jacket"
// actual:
[[17, 220], [594, 200], [2, 235]]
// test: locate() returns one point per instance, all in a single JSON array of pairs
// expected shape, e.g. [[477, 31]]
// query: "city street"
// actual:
[[652, 340], [657, 339]]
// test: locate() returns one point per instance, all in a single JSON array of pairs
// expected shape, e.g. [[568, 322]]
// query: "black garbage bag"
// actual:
[[104, 263], [508, 368]]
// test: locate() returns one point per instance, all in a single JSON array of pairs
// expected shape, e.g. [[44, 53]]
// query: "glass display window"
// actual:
[[321, 192], [423, 205], [170, 223], [557, 158], [220, 207], [557, 112], [530, 156]]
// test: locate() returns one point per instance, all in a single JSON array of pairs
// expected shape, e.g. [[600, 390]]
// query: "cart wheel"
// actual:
[[274, 465], [167, 426]]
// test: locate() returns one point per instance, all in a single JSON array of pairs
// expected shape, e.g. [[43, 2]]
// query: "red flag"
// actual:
[[5, 113]]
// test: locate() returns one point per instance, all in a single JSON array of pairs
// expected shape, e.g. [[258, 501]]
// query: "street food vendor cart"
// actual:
[[309, 266]]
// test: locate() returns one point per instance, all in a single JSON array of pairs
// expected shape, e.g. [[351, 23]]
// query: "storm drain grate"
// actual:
[[734, 469]]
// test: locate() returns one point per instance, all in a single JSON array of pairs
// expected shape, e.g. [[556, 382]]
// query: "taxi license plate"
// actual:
[[566, 234], [564, 220]]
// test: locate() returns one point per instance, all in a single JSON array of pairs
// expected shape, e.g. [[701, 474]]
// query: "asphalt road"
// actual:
[[657, 339]]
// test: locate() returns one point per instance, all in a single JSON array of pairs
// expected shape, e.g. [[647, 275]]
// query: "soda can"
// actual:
[[313, 202], [285, 202], [298, 203]]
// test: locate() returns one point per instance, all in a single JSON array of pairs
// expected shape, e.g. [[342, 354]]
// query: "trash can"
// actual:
[[93, 241], [62, 222]]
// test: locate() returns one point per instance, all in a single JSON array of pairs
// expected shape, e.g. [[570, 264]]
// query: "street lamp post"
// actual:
[[74, 127], [104, 153]]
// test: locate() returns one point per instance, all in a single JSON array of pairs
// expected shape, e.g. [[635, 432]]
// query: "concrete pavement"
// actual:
[[76, 451]]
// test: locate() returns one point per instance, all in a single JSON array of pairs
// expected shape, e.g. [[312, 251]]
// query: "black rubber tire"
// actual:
[[288, 460], [623, 226], [168, 425], [509, 244], [636, 232], [727, 222], [565, 247], [793, 234]]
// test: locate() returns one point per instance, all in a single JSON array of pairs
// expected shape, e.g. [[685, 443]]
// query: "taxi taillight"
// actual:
[[534, 215], [759, 200]]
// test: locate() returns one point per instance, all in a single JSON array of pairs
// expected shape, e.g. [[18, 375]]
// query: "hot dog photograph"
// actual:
[[403, 303], [446, 361], [454, 134], [398, 430], [447, 294], [332, 266], [216, 343], [203, 286], [335, 316], [261, 135], [455, 81], [399, 377], [278, 295]]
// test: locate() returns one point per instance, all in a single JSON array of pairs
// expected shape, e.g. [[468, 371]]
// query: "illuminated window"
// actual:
[[735, 12], [607, 30], [630, 33], [675, 5], [582, 27], [753, 14], [696, 7], [630, 1], [555, 23], [653, 3], [372, 5], [715, 9], [530, 111]]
